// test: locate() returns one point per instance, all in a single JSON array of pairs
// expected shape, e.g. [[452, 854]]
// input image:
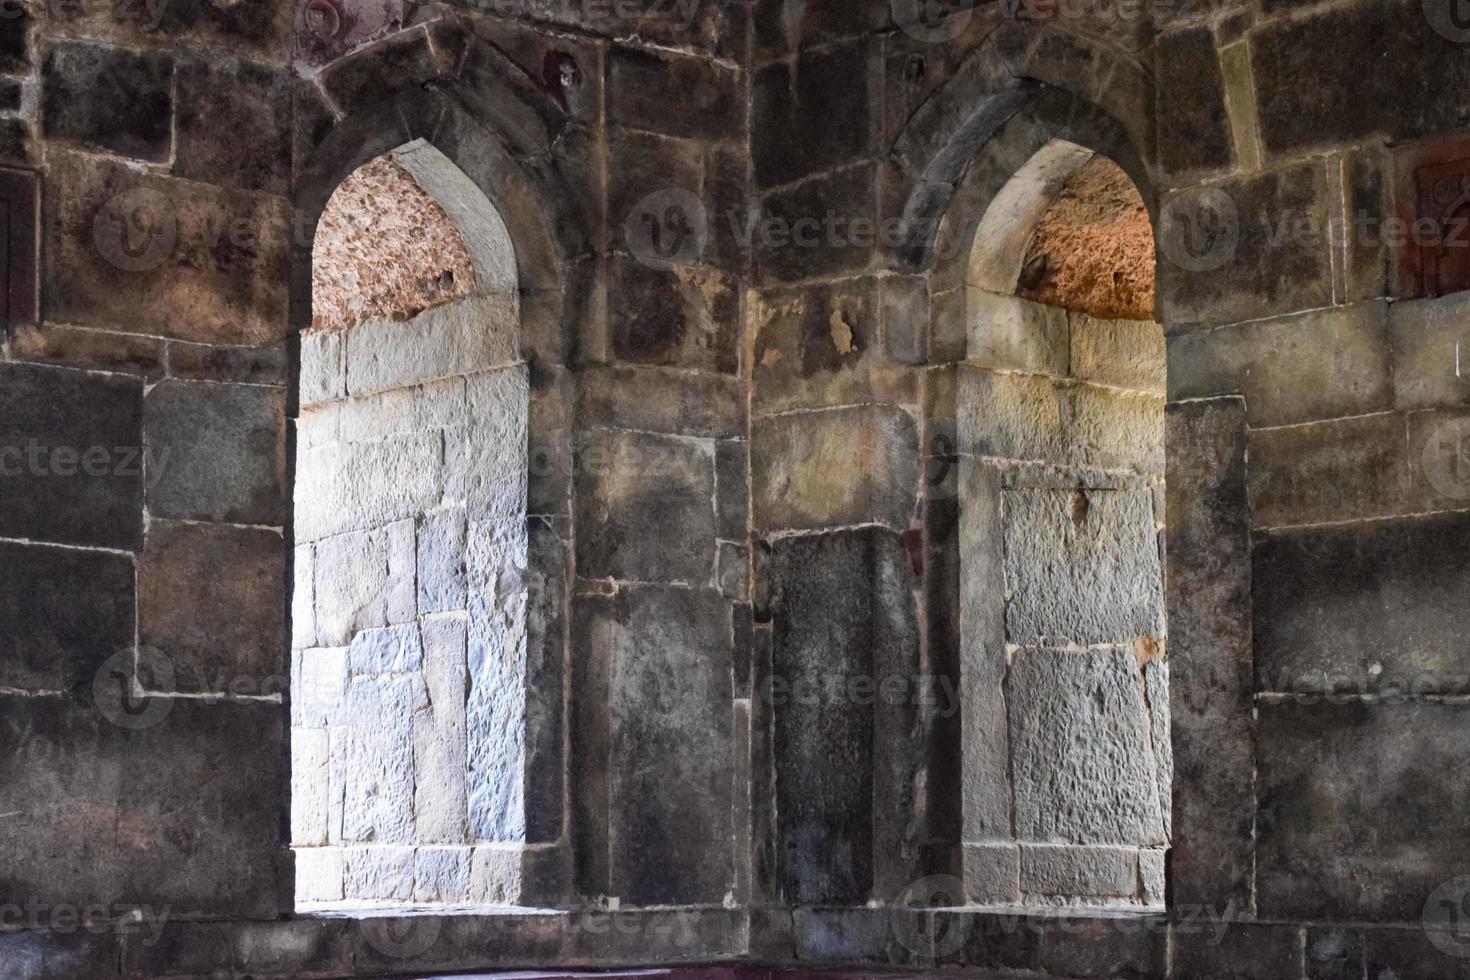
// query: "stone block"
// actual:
[[80, 347], [213, 267], [1325, 770], [378, 800], [323, 374], [495, 716], [319, 874], [400, 594], [319, 691], [1153, 873], [1209, 618], [1349, 469], [820, 345], [66, 612], [1156, 690], [476, 333], [834, 468], [843, 608], [1368, 608], [815, 112], [1082, 567], [1012, 333], [669, 797], [392, 650], [643, 83], [109, 99], [1122, 353], [1319, 365], [495, 875], [221, 450], [825, 227], [1238, 950], [992, 873], [485, 464], [71, 457], [1334, 953], [441, 561], [661, 400], [303, 598], [99, 820], [233, 124], [645, 508], [210, 602], [309, 786], [495, 558], [441, 874], [1413, 952], [1081, 762], [351, 573], [903, 307], [1193, 126], [378, 873], [1094, 871], [732, 486], [397, 478], [1127, 945], [1247, 247], [686, 317], [440, 807], [1426, 338]]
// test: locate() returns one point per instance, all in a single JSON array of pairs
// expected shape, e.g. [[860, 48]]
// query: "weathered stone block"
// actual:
[[1081, 761], [440, 808], [495, 716], [441, 874], [1082, 567], [351, 572], [319, 874], [643, 83], [992, 873], [71, 457], [825, 227], [441, 561], [1363, 609], [1325, 772], [378, 800], [1072, 869], [221, 452], [233, 124], [1016, 334], [212, 266], [308, 786], [645, 507], [814, 112], [81, 347], [1238, 950], [834, 468], [100, 820], [1319, 365], [1426, 337], [65, 613], [210, 602], [109, 99], [1193, 126], [378, 873], [393, 650], [323, 374], [319, 691], [485, 464], [658, 400], [1124, 353], [476, 333], [1344, 470], [387, 481], [686, 317]]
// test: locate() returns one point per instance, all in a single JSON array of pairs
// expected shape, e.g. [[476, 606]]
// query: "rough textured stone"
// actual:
[[441, 561], [1323, 768], [682, 317], [378, 805], [1070, 869], [80, 347], [1238, 951], [440, 807], [645, 504], [1125, 353], [109, 99], [485, 463], [642, 84], [1348, 469], [476, 333], [1430, 341], [817, 111], [78, 612], [1363, 608], [309, 755], [834, 468], [992, 873], [1082, 567], [495, 717], [659, 400], [210, 601], [1194, 134], [249, 102], [1083, 769], [71, 445], [351, 573], [1013, 333], [221, 449]]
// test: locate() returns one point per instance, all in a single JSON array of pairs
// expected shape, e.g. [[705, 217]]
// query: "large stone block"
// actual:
[[845, 638], [834, 468], [99, 817], [351, 574], [1364, 608], [685, 317], [1194, 128], [439, 735], [212, 265], [233, 124], [221, 450], [1123, 353], [379, 794], [661, 400], [441, 561], [1083, 768], [211, 602], [476, 333], [495, 716], [825, 227], [645, 508], [485, 463], [1326, 774], [309, 786], [71, 457], [1319, 365], [1209, 617], [1082, 567], [1012, 333], [1426, 337], [109, 99], [1349, 469], [64, 614], [1094, 871], [815, 112], [643, 83]]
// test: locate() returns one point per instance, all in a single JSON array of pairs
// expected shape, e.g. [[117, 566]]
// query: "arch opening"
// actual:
[[1060, 404], [409, 601]]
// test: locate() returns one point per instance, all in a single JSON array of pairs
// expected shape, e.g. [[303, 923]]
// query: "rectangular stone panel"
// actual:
[[1012, 333], [71, 456], [1375, 607], [1123, 353], [109, 99], [1430, 341], [1329, 769], [110, 807], [833, 468], [472, 334], [65, 613], [1209, 615], [1342, 470], [645, 508], [1082, 566], [1079, 870]]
